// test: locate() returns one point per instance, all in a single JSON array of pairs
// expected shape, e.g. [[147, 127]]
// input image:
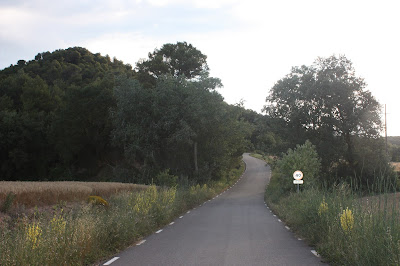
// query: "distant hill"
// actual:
[[54, 114], [394, 140]]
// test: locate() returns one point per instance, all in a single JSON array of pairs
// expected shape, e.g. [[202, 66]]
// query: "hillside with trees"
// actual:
[[75, 115]]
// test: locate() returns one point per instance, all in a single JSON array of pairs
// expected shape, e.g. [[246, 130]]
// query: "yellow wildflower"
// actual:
[[347, 220], [323, 207], [58, 224], [33, 232]]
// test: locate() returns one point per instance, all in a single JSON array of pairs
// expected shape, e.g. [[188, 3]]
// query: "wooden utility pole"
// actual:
[[386, 143]]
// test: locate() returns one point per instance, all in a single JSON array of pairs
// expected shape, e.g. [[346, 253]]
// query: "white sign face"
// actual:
[[298, 182], [298, 175]]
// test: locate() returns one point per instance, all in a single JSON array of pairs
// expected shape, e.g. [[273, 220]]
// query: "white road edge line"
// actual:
[[141, 242], [287, 227], [171, 223], [279, 220], [274, 215], [180, 217], [188, 212], [299, 239], [315, 253], [159, 231], [111, 261]]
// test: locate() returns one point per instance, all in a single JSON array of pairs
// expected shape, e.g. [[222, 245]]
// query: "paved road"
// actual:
[[235, 228]]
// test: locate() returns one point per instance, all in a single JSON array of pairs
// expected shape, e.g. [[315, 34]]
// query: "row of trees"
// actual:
[[72, 114]]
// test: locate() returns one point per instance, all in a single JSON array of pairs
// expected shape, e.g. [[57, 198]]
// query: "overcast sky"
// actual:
[[249, 44]]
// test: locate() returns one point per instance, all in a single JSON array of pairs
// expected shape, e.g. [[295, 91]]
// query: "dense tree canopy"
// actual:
[[328, 104], [179, 59], [72, 114]]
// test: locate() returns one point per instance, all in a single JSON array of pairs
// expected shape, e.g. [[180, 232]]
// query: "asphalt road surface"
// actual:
[[235, 228]]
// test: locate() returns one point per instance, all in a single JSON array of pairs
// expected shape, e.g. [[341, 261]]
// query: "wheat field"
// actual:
[[30, 194], [396, 166]]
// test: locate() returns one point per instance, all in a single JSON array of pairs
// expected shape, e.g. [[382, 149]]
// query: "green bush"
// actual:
[[164, 178], [304, 158]]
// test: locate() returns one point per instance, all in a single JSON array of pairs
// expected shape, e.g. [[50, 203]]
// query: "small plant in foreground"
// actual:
[[33, 233], [58, 224], [323, 207], [347, 220]]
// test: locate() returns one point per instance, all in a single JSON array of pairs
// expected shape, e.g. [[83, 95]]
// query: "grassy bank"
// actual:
[[96, 230], [344, 227]]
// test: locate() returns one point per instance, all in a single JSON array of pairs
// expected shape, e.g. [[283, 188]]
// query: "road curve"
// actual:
[[235, 228]]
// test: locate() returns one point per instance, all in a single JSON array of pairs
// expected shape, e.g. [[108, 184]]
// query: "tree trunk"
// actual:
[[350, 155], [196, 167]]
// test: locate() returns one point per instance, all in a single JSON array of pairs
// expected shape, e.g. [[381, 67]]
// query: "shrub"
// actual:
[[304, 158], [8, 202], [164, 178]]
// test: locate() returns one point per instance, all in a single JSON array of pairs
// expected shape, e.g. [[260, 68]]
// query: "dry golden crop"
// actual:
[[396, 166], [32, 194]]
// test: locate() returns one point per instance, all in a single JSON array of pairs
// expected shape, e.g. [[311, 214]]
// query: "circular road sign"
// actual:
[[298, 175]]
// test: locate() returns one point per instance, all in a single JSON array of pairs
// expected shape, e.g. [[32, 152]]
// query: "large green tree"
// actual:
[[178, 125], [180, 59], [328, 104]]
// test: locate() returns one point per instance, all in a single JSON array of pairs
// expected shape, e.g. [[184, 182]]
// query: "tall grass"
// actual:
[[87, 234], [32, 194], [346, 227], [319, 216]]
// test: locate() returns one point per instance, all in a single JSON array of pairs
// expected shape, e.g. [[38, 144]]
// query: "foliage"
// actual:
[[164, 178], [351, 231], [8, 202], [394, 148], [54, 115], [180, 59], [304, 158], [347, 221], [74, 115], [327, 103], [33, 234], [177, 125], [323, 207]]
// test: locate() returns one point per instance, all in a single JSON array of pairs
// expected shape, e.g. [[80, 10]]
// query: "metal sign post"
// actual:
[[298, 176]]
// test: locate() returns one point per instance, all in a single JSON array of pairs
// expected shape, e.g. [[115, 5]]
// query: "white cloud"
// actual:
[[128, 47]]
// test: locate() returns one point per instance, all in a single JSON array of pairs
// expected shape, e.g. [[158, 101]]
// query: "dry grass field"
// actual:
[[30, 194], [396, 166]]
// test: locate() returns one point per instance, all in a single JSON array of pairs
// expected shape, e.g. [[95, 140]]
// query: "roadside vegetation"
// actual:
[[101, 227], [345, 226], [71, 115], [348, 207], [74, 115], [31, 194]]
